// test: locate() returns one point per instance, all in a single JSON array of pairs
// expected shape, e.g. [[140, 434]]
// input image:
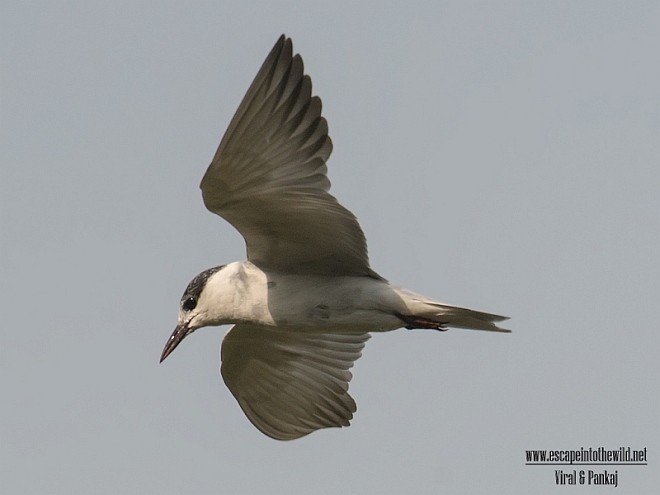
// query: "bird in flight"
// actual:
[[305, 301]]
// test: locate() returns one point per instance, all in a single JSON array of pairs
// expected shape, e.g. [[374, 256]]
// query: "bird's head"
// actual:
[[195, 310]]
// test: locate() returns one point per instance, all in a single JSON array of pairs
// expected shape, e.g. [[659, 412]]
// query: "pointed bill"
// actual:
[[180, 333]]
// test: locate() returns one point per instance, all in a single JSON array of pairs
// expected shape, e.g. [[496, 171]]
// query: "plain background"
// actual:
[[499, 155]]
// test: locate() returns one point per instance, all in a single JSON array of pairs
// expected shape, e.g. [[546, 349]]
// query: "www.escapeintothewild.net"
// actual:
[[601, 454]]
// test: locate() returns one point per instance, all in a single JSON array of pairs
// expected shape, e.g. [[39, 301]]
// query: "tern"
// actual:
[[305, 301]]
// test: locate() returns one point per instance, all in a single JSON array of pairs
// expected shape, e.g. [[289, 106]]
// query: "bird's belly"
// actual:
[[323, 316], [341, 303]]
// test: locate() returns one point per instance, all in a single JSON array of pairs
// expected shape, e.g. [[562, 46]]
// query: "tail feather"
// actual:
[[447, 315], [454, 316]]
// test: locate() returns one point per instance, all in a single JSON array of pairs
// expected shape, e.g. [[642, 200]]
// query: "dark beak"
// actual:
[[175, 339]]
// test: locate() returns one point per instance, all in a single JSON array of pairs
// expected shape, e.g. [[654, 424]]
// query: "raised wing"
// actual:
[[291, 381], [268, 177]]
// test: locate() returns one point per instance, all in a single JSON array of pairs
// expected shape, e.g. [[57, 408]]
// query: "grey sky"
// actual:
[[499, 155]]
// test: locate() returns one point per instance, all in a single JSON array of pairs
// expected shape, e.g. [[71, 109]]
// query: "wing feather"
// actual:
[[291, 381], [269, 177]]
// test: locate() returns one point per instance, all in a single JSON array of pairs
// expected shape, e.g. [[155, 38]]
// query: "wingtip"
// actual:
[[283, 42]]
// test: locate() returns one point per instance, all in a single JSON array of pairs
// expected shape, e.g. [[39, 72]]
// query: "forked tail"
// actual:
[[431, 314]]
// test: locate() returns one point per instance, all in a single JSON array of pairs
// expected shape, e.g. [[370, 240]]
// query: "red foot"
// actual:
[[413, 322]]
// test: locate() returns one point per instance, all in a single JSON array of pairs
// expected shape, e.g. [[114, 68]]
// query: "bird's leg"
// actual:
[[412, 322]]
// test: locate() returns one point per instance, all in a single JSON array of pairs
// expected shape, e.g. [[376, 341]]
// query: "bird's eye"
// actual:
[[189, 303]]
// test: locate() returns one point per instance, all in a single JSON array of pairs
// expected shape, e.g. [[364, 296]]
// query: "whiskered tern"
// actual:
[[305, 301]]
